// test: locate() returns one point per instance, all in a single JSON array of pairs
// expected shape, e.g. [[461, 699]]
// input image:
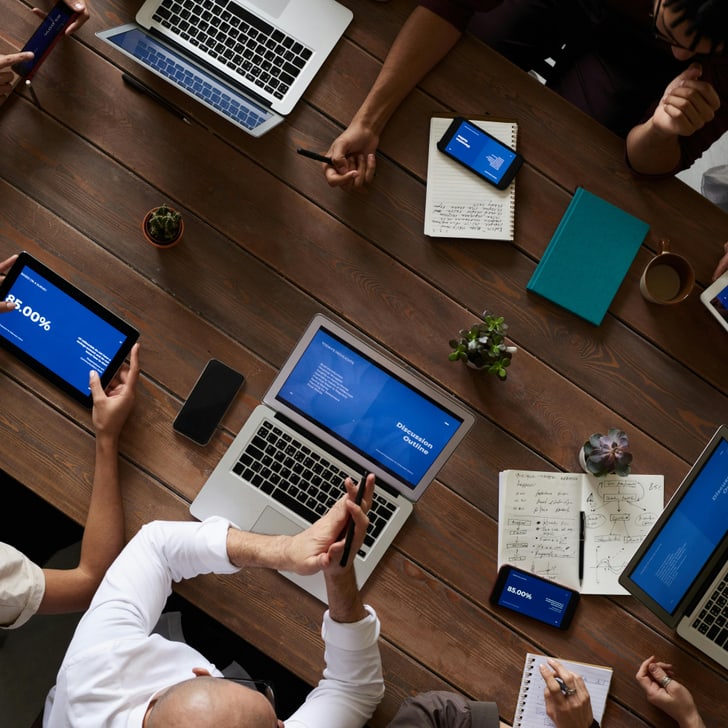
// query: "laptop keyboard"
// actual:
[[713, 618], [236, 108], [302, 479], [248, 45]]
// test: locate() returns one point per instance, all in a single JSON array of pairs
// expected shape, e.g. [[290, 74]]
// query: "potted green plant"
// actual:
[[483, 346], [163, 226], [606, 454]]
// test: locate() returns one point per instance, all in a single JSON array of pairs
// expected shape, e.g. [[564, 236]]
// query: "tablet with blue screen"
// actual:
[[59, 331]]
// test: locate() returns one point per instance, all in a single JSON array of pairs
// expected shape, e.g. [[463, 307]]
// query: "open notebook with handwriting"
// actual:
[[531, 708], [457, 203]]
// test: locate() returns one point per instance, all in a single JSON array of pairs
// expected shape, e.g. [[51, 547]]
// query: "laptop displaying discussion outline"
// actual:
[[340, 406], [248, 60], [680, 570]]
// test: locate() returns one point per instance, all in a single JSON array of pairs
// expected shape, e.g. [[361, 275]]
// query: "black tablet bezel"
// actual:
[[27, 261]]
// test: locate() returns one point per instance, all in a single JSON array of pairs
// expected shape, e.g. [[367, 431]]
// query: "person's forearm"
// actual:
[[651, 151], [345, 602], [103, 537], [423, 41], [246, 549]]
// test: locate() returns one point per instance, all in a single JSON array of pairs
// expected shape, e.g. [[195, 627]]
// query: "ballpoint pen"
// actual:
[[351, 527], [315, 155], [139, 86]]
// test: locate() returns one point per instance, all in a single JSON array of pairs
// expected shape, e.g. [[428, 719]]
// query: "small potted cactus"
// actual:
[[606, 454], [483, 346], [163, 226]]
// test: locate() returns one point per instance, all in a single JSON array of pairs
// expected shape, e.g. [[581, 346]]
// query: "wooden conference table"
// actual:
[[268, 244]]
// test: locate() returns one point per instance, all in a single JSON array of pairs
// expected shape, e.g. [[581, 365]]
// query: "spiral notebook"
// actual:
[[531, 709], [457, 203]]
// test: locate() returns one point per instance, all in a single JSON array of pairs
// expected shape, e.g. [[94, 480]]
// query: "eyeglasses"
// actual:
[[262, 686], [665, 35]]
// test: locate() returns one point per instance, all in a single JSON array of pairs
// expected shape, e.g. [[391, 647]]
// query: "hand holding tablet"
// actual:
[[59, 331]]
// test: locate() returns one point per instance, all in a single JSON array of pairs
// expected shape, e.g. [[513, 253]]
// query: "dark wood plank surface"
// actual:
[[268, 244]]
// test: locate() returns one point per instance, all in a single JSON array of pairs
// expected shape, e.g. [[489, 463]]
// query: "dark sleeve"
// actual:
[[440, 709], [459, 12]]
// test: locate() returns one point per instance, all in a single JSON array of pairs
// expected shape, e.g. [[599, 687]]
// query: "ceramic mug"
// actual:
[[668, 278]]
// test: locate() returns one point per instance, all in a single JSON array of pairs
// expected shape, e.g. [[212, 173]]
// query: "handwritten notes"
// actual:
[[540, 524], [457, 203], [531, 708]]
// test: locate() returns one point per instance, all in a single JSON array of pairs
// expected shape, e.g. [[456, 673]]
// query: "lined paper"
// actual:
[[457, 203]]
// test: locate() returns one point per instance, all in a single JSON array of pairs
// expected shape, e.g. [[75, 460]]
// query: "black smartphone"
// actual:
[[208, 401], [45, 37], [480, 152], [534, 596]]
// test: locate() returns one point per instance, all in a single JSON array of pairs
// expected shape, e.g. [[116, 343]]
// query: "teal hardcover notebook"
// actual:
[[588, 256]]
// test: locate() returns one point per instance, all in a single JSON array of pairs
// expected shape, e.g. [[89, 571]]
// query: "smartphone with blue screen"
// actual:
[[534, 596], [480, 152], [45, 37]]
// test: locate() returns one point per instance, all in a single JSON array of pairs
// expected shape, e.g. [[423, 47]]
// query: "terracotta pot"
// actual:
[[153, 241]]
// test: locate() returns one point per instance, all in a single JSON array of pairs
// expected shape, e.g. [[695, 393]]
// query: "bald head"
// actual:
[[208, 701]]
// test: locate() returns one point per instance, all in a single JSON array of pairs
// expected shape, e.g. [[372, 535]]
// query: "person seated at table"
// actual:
[[442, 709], [650, 70], [25, 588], [116, 672], [6, 61]]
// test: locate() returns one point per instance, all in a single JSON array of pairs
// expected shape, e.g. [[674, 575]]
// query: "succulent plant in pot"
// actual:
[[163, 226], [602, 455], [483, 346]]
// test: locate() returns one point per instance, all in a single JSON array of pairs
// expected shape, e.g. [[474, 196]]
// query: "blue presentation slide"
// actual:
[[57, 331], [689, 536], [536, 598], [485, 155], [365, 406]]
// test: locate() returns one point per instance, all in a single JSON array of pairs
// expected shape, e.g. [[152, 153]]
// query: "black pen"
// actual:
[[351, 528], [562, 685], [315, 155], [139, 86], [582, 534]]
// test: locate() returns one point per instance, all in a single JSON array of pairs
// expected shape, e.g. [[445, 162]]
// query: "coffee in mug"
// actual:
[[667, 278]]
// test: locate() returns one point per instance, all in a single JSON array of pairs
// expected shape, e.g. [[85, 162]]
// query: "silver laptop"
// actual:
[[248, 60], [339, 407], [680, 570]]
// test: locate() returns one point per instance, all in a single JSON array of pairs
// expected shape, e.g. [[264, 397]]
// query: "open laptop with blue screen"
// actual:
[[248, 60], [339, 407], [680, 570]]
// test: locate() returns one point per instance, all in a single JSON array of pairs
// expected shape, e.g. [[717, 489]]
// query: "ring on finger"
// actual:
[[570, 691], [665, 681]]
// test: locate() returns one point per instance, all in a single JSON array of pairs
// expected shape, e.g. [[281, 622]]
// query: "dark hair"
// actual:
[[703, 18]]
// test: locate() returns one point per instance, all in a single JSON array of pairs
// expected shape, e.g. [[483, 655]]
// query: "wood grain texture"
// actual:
[[268, 244]]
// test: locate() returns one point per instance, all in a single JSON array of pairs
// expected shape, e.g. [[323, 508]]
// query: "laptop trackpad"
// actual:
[[273, 8], [275, 524]]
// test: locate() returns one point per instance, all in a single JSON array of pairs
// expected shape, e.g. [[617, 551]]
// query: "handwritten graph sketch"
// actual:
[[540, 525]]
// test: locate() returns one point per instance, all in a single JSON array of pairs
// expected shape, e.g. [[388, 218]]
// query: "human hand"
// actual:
[[722, 266], [353, 154], [666, 693], [566, 711], [320, 546], [687, 104], [6, 73], [78, 6], [5, 266], [112, 407]]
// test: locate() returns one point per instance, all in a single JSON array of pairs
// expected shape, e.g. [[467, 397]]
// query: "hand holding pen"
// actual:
[[566, 696], [351, 528]]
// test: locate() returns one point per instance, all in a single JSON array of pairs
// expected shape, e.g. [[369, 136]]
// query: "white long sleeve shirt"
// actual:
[[114, 666]]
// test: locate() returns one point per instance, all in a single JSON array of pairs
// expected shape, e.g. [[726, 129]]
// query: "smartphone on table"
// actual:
[[207, 403], [480, 152], [45, 37], [534, 596]]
